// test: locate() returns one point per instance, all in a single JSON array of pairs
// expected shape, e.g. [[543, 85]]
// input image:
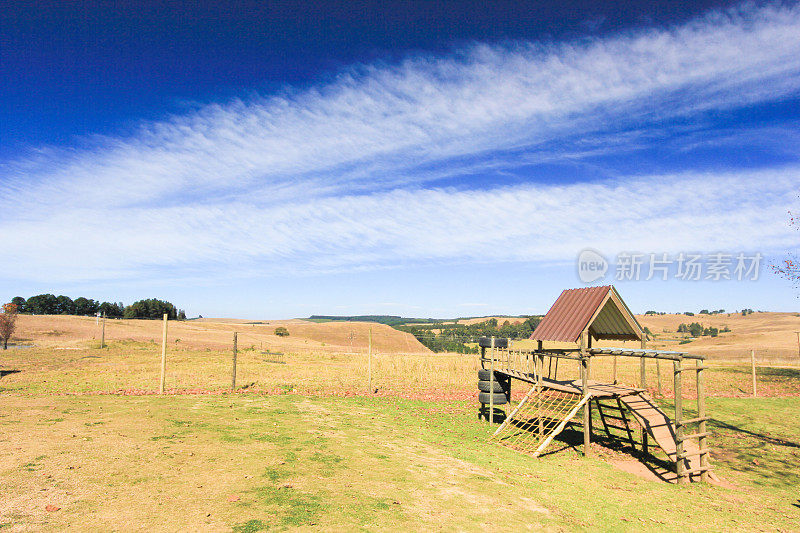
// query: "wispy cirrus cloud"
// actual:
[[339, 176], [537, 222]]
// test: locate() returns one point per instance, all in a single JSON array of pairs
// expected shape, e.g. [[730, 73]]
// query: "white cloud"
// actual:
[[523, 223], [335, 178]]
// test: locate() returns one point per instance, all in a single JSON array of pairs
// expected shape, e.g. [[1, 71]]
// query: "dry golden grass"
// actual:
[[57, 331], [73, 439], [771, 335], [67, 359]]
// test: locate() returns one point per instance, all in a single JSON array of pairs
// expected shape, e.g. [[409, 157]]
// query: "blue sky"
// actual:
[[350, 158]]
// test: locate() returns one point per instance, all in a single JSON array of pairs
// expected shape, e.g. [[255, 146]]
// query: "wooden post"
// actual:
[[233, 369], [369, 360], [587, 414], [658, 376], [163, 356], [103, 334], [482, 362], [643, 384], [614, 368], [701, 414], [798, 343], [753, 366], [491, 387], [538, 368], [679, 448]]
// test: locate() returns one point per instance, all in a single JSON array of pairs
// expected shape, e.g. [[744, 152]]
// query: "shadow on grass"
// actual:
[[571, 438], [760, 436], [7, 372]]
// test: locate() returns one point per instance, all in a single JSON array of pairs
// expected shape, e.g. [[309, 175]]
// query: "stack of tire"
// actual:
[[495, 391]]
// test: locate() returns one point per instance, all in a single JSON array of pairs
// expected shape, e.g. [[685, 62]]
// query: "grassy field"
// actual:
[[246, 463], [302, 444]]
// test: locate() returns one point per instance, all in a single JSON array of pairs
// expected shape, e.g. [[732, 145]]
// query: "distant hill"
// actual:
[[392, 320], [389, 320]]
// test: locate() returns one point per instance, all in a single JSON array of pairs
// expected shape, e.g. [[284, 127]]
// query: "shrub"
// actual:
[[695, 329], [8, 320], [281, 331]]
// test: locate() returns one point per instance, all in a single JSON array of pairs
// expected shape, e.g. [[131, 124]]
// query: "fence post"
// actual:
[[233, 369], [798, 343], [658, 376], [103, 334], [753, 366], [163, 356], [369, 360], [614, 369]]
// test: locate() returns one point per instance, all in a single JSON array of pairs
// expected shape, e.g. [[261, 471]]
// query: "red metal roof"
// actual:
[[570, 314]]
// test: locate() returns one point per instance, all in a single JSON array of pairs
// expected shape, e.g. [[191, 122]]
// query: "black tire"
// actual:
[[499, 398], [486, 342], [485, 386], [485, 374]]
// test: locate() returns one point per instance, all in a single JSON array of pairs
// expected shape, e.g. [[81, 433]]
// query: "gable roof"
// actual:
[[600, 310]]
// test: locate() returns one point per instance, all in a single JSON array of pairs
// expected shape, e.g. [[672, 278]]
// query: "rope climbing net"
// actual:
[[540, 416]]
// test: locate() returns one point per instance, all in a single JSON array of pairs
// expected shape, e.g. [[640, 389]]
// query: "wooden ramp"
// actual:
[[660, 427]]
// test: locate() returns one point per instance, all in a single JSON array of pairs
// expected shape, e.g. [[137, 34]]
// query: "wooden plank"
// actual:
[[701, 470], [659, 426], [682, 438], [699, 451], [694, 420]]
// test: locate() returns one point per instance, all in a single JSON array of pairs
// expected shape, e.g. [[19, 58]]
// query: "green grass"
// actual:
[[292, 461]]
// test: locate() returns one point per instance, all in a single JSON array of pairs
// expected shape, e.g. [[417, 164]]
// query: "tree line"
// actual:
[[49, 304], [461, 338], [695, 329], [389, 320]]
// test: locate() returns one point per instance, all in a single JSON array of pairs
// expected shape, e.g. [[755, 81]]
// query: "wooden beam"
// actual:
[[679, 449]]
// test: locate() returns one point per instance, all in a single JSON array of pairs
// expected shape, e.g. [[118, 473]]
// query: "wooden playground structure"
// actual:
[[627, 413]]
